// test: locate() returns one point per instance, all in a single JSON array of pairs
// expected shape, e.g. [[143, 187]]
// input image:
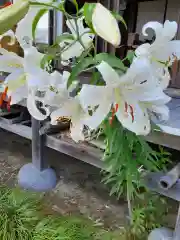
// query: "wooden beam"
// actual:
[[164, 139], [80, 151], [18, 129]]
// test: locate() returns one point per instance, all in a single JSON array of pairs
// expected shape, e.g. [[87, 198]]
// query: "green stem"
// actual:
[[88, 69], [129, 204]]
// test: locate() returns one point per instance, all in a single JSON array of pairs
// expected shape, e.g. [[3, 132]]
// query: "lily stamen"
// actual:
[[3, 96], [116, 107], [126, 107], [132, 112], [114, 110], [9, 104]]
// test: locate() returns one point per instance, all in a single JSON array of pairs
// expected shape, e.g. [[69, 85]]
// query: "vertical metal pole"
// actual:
[[177, 228], [38, 141], [38, 157]]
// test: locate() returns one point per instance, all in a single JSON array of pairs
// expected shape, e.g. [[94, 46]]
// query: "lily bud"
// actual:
[[105, 25], [11, 15]]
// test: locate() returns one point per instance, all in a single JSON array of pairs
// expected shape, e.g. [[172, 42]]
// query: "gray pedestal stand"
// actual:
[[152, 181], [37, 175]]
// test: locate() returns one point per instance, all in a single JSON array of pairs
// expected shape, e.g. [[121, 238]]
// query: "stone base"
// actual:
[[31, 178], [161, 234]]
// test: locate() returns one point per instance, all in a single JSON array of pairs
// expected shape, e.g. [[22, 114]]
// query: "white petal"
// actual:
[[157, 96], [163, 111], [38, 78], [56, 78], [173, 48], [105, 25], [162, 74], [143, 50], [81, 27], [76, 131], [9, 62], [65, 77], [15, 80], [170, 30], [91, 95], [33, 109], [24, 27], [109, 75], [156, 26], [19, 94], [139, 75], [74, 50], [133, 117], [72, 26], [99, 115], [32, 57]]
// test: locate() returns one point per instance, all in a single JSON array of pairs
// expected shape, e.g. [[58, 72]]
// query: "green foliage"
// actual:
[[130, 55], [69, 228], [87, 62], [76, 70], [22, 218], [112, 60], [88, 9], [36, 20], [125, 157], [18, 214], [119, 18], [148, 213]]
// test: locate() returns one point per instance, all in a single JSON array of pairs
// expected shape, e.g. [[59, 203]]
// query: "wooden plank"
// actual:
[[174, 103], [173, 92], [79, 151], [165, 139], [18, 129]]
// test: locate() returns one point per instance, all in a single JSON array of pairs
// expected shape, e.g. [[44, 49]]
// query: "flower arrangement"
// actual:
[[119, 98], [131, 94]]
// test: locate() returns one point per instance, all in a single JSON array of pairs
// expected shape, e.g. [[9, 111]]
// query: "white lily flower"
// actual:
[[72, 109], [163, 51], [105, 25], [57, 91], [73, 48], [23, 81], [131, 95], [57, 96]]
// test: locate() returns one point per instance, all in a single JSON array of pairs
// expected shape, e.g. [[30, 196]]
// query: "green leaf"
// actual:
[[155, 127], [36, 20], [46, 59], [119, 18], [48, 5], [79, 68], [96, 76], [88, 11], [63, 37], [76, 5], [130, 56], [112, 60]]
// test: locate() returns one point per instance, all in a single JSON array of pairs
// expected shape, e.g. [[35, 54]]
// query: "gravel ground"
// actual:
[[79, 189]]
